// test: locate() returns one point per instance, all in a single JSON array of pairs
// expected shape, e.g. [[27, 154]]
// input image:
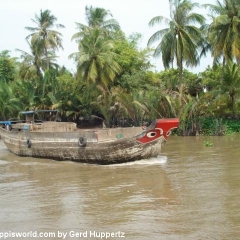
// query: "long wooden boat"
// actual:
[[64, 141]]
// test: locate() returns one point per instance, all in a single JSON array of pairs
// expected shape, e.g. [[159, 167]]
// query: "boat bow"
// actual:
[[159, 128]]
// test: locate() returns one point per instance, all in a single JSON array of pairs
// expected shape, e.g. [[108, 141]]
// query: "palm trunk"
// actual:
[[180, 74], [233, 104], [223, 69], [46, 53], [45, 49]]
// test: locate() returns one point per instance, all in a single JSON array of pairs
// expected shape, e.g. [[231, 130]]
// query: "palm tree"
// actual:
[[96, 18], [10, 104], [181, 39], [223, 95], [224, 31], [26, 93], [131, 106], [96, 60], [43, 37], [34, 63], [230, 85]]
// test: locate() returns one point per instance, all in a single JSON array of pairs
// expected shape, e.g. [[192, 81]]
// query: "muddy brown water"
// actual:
[[190, 191]]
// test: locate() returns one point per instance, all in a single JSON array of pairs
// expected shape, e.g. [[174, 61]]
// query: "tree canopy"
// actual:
[[114, 79]]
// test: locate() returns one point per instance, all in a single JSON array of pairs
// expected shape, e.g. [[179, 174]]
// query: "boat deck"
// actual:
[[63, 128]]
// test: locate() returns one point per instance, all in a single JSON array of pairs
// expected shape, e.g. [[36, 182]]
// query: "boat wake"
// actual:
[[2, 162], [159, 160]]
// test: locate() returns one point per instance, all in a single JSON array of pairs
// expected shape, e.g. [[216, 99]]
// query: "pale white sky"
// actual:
[[132, 15]]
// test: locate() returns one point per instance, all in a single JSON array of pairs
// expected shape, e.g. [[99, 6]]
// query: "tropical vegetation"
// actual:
[[114, 80]]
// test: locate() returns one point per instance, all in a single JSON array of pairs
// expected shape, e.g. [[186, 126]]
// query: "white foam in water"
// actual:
[[151, 161], [2, 162]]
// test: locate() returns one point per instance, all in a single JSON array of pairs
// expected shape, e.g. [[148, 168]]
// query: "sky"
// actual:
[[132, 15]]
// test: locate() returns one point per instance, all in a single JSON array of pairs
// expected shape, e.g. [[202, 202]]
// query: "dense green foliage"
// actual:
[[114, 80], [219, 126], [7, 66]]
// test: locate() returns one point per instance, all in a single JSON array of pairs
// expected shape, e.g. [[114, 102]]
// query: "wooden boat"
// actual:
[[64, 141]]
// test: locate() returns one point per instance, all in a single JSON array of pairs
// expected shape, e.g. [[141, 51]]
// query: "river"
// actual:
[[190, 191]]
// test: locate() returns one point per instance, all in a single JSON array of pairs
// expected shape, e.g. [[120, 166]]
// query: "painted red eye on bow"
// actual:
[[151, 134]]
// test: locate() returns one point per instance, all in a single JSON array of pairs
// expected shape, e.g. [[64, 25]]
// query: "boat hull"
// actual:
[[63, 141], [65, 146]]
